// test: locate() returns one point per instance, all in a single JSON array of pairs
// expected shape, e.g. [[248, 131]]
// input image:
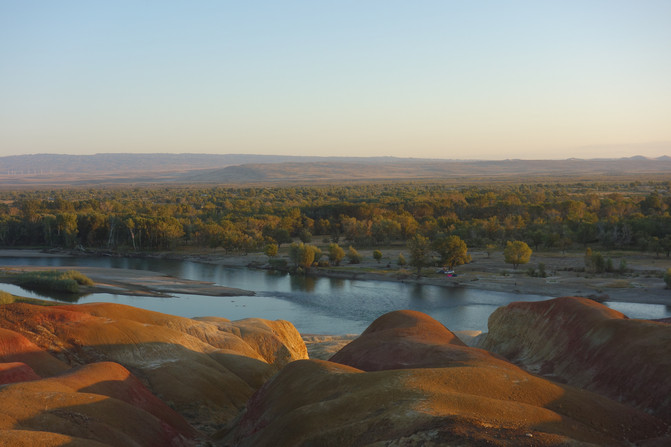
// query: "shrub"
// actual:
[[599, 263], [377, 254], [489, 249], [595, 262], [79, 277], [540, 273], [667, 278], [623, 266]]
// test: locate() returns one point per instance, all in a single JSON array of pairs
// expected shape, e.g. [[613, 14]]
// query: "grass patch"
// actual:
[[52, 280], [353, 269], [619, 284], [8, 298]]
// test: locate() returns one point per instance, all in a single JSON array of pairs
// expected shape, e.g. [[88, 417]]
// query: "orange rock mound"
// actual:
[[407, 339], [206, 370]]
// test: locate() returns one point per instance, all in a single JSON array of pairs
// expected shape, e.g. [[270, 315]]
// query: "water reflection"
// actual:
[[43, 294], [336, 283], [643, 311], [300, 283], [415, 292], [314, 305]]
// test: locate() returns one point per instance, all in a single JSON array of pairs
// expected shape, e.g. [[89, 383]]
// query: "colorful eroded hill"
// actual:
[[108, 374]]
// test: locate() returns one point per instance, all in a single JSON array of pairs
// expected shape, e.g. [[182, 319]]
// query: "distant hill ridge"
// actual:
[[25, 164], [57, 169]]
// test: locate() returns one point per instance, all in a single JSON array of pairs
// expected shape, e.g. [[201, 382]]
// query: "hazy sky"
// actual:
[[447, 79]]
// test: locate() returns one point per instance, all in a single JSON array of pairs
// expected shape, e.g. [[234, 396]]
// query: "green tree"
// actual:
[[377, 254], [271, 250], [66, 226], [353, 256], [317, 253], [622, 269], [489, 249], [420, 249], [385, 230], [130, 225], [303, 255], [599, 262], [589, 260], [452, 250], [49, 228], [665, 243], [281, 236], [305, 236], [210, 234], [564, 243], [537, 237], [336, 253], [595, 262], [516, 253], [667, 278]]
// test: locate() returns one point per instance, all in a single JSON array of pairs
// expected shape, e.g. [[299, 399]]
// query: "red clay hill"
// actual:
[[194, 376], [586, 344], [107, 374]]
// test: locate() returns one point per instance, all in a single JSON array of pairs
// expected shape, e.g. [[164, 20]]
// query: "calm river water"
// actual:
[[313, 305]]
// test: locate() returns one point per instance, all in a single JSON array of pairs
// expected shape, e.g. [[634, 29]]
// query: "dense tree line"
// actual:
[[550, 216]]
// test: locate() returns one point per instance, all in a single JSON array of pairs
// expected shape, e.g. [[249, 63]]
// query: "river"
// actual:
[[313, 305]]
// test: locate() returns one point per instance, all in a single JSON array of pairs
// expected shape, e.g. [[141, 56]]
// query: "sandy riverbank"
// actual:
[[642, 283], [136, 282]]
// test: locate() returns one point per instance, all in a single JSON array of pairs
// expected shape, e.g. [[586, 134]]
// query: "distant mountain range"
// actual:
[[54, 169]]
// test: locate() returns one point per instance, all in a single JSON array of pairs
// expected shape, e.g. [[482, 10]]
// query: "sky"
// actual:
[[432, 79]]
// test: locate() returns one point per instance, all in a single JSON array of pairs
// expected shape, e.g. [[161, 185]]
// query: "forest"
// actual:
[[553, 216]]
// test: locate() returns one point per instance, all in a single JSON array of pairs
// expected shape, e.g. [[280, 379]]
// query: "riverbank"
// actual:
[[612, 288], [641, 283]]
